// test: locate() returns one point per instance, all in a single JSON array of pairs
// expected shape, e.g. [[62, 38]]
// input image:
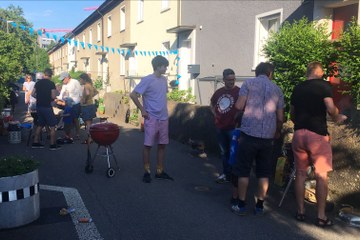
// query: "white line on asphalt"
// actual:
[[85, 231]]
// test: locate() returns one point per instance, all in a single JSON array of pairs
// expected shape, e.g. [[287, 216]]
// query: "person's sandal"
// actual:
[[300, 217], [324, 223]]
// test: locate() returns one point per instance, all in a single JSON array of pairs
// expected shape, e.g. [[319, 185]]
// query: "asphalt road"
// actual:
[[123, 207]]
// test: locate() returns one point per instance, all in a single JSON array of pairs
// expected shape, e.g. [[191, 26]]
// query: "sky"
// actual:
[[54, 14]]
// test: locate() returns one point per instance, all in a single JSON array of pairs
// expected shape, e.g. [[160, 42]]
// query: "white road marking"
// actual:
[[85, 231]]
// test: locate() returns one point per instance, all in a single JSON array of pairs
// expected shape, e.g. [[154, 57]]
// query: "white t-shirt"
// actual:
[[72, 89], [29, 86]]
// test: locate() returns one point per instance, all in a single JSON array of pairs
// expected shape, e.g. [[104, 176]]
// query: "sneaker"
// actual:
[[37, 145], [222, 179], [258, 211], [54, 147], [241, 211], [164, 176], [68, 140], [234, 202], [147, 177]]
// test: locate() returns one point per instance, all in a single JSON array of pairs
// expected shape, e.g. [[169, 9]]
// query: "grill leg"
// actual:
[[292, 177], [112, 153], [93, 159]]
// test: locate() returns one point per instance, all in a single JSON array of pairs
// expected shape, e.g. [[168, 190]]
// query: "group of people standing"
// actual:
[[261, 104], [257, 111], [74, 97]]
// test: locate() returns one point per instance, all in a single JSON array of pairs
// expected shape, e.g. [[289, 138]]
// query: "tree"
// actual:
[[11, 52], [293, 47], [17, 49], [16, 15], [349, 59]]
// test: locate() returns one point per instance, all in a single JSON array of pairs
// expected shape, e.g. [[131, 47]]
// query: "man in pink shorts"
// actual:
[[153, 89], [310, 102]]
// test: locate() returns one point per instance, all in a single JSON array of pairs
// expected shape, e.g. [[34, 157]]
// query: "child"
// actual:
[[68, 122]]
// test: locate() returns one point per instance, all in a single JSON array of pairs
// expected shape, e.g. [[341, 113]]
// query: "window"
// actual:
[[140, 10], [90, 36], [122, 19], [264, 25], [109, 26], [98, 32], [122, 65], [99, 70], [84, 39], [164, 5]]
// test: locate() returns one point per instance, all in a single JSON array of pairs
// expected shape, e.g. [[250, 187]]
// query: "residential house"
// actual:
[[200, 38]]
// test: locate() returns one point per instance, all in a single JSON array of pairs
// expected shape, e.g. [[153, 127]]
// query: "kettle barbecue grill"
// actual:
[[104, 134]]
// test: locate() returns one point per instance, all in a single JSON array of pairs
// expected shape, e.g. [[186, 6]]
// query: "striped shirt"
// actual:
[[264, 98]]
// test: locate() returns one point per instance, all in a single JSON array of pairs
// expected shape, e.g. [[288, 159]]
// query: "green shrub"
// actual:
[[349, 59], [181, 95], [293, 47], [98, 84], [16, 165]]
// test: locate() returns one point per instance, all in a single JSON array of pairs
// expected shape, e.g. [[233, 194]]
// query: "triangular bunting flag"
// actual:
[[102, 48], [96, 47], [62, 40], [31, 31], [39, 32], [13, 24], [113, 50], [55, 37], [47, 35], [22, 27], [118, 50], [82, 44], [89, 45], [107, 49]]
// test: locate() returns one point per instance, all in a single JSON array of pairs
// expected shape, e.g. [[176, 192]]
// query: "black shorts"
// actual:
[[250, 149]]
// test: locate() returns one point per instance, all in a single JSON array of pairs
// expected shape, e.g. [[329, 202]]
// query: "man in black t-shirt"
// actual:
[[310, 102], [45, 92]]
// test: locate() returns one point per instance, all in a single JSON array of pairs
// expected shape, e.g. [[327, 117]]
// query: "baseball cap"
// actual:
[[39, 75], [63, 75]]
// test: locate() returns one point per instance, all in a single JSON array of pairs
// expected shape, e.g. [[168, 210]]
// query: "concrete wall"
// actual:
[[185, 120]]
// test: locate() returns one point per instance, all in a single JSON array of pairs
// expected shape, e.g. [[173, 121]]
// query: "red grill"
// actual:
[[104, 133]]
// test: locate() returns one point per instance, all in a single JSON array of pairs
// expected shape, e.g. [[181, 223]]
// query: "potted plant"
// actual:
[[19, 187], [101, 107]]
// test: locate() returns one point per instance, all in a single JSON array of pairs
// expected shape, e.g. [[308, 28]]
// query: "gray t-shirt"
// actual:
[[153, 90]]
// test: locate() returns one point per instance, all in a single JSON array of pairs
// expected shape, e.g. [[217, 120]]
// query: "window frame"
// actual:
[[98, 35], [109, 26], [122, 19], [140, 12], [274, 14]]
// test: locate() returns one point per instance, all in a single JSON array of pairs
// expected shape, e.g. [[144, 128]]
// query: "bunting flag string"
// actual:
[[70, 41]]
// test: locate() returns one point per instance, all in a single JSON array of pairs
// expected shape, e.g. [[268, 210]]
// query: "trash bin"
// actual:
[[14, 131]]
